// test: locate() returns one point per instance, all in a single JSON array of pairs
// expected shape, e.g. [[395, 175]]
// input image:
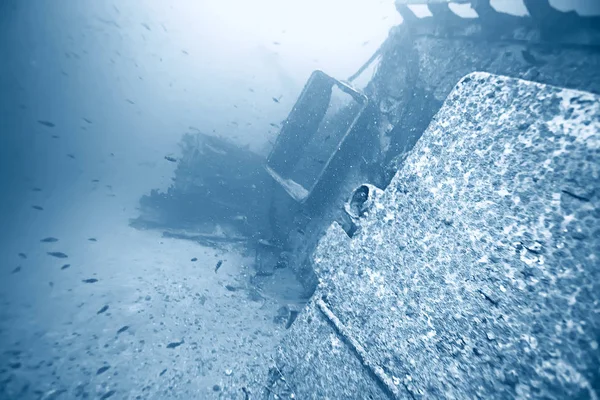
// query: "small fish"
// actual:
[[95, 180], [275, 99], [39, 208], [107, 395], [218, 265], [194, 259], [123, 329], [65, 266], [87, 120], [14, 271], [92, 239], [185, 52], [47, 123], [146, 26], [251, 90], [55, 136], [22, 255], [102, 369], [51, 284], [169, 158], [276, 43], [90, 280], [71, 156], [129, 101], [49, 239], [231, 288], [162, 372], [274, 125], [36, 189], [103, 309], [173, 345], [57, 254]]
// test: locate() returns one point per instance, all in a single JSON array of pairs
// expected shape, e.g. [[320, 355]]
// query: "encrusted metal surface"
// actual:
[[477, 273]]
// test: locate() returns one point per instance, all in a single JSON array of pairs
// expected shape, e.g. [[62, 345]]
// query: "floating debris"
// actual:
[[123, 329], [49, 239], [46, 123], [103, 309], [218, 265], [39, 208], [173, 345], [65, 266], [90, 280], [57, 254]]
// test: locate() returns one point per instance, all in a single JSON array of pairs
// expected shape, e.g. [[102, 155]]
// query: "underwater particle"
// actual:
[[122, 329], [194, 259], [57, 254], [46, 123], [65, 266], [49, 239], [174, 345], [169, 158], [103, 309], [89, 280], [39, 208], [22, 255], [102, 369]]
